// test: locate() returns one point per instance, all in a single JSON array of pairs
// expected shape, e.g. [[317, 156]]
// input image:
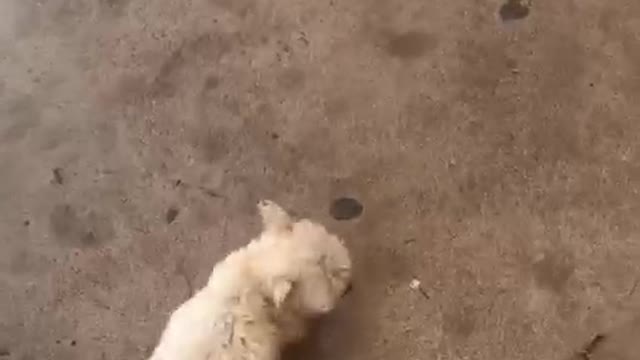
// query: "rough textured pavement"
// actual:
[[494, 146]]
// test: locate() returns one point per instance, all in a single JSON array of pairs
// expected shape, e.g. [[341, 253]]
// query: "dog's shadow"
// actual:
[[307, 349], [329, 337]]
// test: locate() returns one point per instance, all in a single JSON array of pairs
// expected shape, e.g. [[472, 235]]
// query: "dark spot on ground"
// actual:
[[71, 229], [292, 79], [205, 47], [514, 10], [210, 192], [410, 45], [97, 229], [211, 83], [214, 144], [26, 223], [336, 107], [345, 208], [275, 136], [553, 271], [64, 221], [58, 176], [172, 214], [460, 322], [592, 345], [73, 343], [89, 238], [163, 85], [24, 115], [4, 352], [588, 352]]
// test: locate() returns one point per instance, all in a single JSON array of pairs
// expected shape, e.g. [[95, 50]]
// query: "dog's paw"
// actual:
[[273, 216]]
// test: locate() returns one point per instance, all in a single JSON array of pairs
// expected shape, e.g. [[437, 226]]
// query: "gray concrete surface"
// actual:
[[496, 153]]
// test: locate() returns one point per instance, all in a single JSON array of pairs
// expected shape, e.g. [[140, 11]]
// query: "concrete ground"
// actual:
[[494, 146]]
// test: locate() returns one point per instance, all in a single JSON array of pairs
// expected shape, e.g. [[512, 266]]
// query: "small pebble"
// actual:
[[58, 176], [171, 215], [414, 284], [417, 286]]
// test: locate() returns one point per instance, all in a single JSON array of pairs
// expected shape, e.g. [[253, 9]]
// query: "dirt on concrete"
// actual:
[[493, 147]]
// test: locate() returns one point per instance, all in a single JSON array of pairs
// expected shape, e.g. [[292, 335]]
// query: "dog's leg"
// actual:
[[273, 216]]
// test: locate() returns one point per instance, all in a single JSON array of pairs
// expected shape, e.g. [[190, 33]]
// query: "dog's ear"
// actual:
[[281, 290], [274, 218]]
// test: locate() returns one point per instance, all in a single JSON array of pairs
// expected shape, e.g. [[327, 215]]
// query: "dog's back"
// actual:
[[258, 297], [195, 330], [219, 322]]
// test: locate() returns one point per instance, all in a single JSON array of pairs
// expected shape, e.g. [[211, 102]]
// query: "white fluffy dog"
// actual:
[[258, 298]]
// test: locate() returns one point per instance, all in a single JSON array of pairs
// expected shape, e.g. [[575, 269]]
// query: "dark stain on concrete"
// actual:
[[553, 271], [336, 107], [171, 215], [564, 61], [23, 115], [74, 230], [213, 144], [483, 68], [422, 116], [58, 176], [99, 230], [64, 223], [206, 47], [609, 20], [593, 345], [514, 10], [231, 103], [211, 83], [68, 14], [164, 83], [292, 79], [89, 239], [345, 208], [410, 45], [460, 321]]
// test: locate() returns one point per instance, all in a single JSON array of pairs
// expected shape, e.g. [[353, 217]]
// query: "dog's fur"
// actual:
[[258, 298]]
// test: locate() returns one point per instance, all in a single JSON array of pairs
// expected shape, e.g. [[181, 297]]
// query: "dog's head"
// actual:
[[322, 272], [308, 268]]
